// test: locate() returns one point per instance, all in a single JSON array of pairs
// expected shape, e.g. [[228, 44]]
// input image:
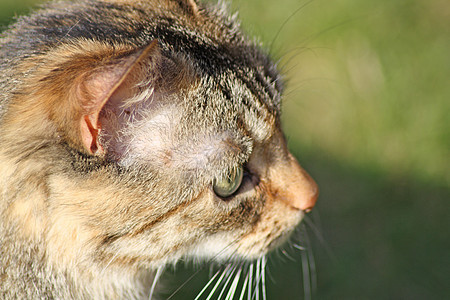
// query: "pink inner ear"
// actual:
[[99, 88], [89, 134]]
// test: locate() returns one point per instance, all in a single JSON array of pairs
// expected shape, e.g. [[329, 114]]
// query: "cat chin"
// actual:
[[224, 248], [220, 248]]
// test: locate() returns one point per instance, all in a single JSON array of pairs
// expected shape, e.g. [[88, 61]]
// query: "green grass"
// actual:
[[367, 113]]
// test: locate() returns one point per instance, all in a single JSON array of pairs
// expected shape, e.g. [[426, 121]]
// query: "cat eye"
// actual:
[[228, 185]]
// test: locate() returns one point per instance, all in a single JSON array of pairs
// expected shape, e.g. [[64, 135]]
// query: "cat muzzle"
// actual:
[[294, 185]]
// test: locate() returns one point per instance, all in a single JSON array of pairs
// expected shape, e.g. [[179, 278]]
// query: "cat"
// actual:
[[134, 133]]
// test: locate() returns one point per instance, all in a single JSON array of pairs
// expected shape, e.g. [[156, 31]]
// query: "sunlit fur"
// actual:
[[116, 118]]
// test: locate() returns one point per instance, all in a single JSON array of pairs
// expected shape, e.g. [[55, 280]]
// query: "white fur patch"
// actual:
[[146, 133]]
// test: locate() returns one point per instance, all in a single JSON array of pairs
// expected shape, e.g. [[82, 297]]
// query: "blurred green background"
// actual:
[[367, 113]]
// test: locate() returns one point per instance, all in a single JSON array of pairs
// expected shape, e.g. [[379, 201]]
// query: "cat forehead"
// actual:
[[228, 103]]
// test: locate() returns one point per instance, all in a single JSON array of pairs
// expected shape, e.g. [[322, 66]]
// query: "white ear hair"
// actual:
[[138, 129]]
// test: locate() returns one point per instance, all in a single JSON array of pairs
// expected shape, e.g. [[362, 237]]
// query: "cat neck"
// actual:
[[34, 253], [40, 279]]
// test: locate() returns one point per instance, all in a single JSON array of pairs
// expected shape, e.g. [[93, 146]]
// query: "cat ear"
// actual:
[[98, 87]]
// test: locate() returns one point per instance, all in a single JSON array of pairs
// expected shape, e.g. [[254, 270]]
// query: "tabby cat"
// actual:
[[134, 133]]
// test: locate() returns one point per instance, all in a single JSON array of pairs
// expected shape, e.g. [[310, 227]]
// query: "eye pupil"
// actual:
[[230, 184]]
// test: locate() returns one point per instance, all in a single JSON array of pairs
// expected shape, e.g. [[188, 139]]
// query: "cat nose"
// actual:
[[295, 186], [307, 191]]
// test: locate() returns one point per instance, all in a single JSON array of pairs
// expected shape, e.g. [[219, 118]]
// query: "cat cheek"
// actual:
[[274, 225]]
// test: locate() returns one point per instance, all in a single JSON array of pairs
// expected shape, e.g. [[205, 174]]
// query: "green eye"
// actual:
[[229, 185]]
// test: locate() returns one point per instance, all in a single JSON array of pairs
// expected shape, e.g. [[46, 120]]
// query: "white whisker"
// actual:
[[299, 247], [218, 283], [211, 270], [319, 235], [312, 264], [250, 284], [257, 279], [234, 285], [306, 274], [263, 277], [193, 275], [109, 263], [287, 255], [207, 285], [159, 271], [229, 276], [244, 287]]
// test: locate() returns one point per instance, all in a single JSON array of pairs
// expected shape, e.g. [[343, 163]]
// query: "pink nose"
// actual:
[[299, 189], [307, 194]]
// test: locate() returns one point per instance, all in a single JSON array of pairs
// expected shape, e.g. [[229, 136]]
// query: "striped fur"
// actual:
[[116, 116]]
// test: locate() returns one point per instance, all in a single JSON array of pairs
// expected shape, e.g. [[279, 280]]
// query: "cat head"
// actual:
[[163, 144]]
